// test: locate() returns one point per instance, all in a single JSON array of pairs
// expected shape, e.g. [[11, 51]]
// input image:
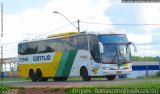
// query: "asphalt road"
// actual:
[[69, 83]]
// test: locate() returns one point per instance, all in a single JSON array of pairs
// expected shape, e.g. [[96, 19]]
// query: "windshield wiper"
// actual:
[[122, 56], [115, 56], [118, 53]]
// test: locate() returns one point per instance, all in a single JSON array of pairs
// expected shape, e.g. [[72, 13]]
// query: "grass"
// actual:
[[14, 79], [102, 89], [144, 78], [128, 85], [92, 89], [133, 87], [103, 78], [6, 87], [75, 78]]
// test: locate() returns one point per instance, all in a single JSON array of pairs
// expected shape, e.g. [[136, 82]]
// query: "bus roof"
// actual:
[[64, 35], [55, 36]]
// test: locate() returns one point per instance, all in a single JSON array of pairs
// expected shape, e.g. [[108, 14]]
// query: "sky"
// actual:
[[34, 19]]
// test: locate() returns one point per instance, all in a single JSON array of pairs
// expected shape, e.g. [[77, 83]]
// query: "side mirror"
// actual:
[[101, 48], [133, 44]]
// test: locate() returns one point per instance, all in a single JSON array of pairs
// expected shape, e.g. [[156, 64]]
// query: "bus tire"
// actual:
[[64, 78], [39, 75], [55, 78], [60, 78], [45, 79], [32, 75], [111, 77], [84, 74]]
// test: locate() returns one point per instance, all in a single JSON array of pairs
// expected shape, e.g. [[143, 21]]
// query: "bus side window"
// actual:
[[94, 48], [71, 44], [51, 46], [20, 51], [23, 49], [82, 42], [32, 48], [41, 46], [61, 45]]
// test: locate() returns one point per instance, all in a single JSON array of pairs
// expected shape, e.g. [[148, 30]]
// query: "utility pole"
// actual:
[[1, 41], [78, 28]]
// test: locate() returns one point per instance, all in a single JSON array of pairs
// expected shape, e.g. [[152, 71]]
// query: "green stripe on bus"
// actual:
[[69, 63], [62, 63]]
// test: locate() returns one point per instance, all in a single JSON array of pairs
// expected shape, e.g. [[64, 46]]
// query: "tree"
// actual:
[[145, 58]]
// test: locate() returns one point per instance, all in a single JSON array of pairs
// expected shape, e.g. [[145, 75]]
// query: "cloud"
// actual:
[[145, 45], [85, 10], [140, 38], [147, 53], [37, 21], [149, 13]]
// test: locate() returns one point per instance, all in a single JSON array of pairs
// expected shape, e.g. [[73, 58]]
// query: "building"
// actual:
[[9, 66]]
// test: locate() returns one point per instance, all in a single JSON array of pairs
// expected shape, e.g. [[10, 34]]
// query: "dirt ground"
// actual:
[[36, 91], [41, 91]]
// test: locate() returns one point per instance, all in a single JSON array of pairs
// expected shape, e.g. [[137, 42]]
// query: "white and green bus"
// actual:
[[85, 55]]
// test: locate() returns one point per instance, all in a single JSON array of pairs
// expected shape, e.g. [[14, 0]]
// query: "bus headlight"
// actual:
[[129, 67], [106, 68]]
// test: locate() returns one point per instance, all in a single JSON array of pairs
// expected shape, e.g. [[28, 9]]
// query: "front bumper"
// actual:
[[117, 72]]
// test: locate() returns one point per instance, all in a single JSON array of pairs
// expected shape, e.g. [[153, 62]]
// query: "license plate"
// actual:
[[119, 72]]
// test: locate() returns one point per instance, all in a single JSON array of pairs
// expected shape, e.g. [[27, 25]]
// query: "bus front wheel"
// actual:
[[84, 74], [111, 77]]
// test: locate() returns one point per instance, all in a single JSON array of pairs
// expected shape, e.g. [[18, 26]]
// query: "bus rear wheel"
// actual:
[[60, 78], [84, 74], [32, 75], [39, 75], [111, 77]]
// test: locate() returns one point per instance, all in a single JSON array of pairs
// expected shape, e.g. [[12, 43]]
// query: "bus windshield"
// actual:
[[116, 53], [116, 49], [113, 38]]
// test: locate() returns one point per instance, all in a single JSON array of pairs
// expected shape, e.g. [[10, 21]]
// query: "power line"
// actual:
[[41, 34], [120, 24], [87, 23], [9, 43], [53, 30]]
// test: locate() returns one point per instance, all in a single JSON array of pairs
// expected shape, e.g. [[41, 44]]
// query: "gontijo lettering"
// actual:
[[41, 58]]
